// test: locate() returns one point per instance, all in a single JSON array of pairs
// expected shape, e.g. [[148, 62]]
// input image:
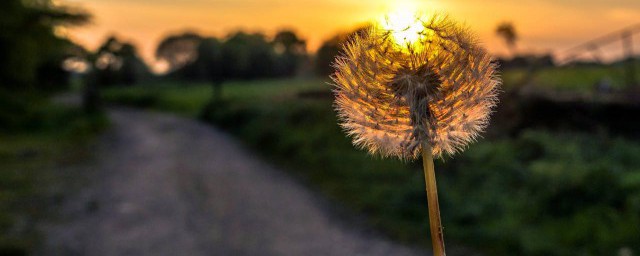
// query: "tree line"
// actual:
[[189, 56], [33, 56], [31, 53], [37, 60]]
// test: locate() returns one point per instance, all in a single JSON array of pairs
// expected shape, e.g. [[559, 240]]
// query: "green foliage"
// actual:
[[178, 50], [290, 51], [545, 194], [190, 98], [29, 112], [580, 79], [30, 167], [239, 56], [539, 193], [18, 111], [31, 54], [117, 63], [248, 56]]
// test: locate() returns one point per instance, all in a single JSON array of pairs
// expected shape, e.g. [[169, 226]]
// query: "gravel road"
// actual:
[[165, 185]]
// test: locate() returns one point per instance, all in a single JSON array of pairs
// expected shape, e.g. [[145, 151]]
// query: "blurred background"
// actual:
[[556, 173]]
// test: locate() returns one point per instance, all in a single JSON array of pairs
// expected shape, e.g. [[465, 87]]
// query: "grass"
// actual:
[[30, 163], [190, 98], [502, 196], [539, 193], [574, 79]]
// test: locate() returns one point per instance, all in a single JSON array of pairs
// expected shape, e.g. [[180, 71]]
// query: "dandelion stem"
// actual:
[[437, 237]]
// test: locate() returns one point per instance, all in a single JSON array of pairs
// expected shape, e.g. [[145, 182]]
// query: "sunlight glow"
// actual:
[[404, 24]]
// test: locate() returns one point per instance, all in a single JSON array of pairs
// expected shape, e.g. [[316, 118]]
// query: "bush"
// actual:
[[25, 112], [33, 150], [535, 193], [540, 193], [19, 111]]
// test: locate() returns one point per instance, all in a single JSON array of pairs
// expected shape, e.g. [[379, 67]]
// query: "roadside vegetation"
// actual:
[[38, 143], [535, 192], [38, 139]]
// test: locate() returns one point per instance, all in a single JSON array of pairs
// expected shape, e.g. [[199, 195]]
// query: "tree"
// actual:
[[290, 50], [331, 48], [31, 54], [117, 63], [248, 56], [178, 50], [210, 65], [133, 68], [507, 31]]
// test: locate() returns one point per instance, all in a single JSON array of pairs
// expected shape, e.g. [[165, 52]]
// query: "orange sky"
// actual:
[[543, 25]]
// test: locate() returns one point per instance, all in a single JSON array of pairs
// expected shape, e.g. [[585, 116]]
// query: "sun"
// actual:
[[404, 24]]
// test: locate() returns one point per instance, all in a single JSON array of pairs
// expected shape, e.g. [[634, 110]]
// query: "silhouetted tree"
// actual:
[[117, 63], [178, 50], [239, 56], [248, 56], [133, 69], [290, 50], [113, 63], [31, 54], [507, 31], [330, 49], [210, 65]]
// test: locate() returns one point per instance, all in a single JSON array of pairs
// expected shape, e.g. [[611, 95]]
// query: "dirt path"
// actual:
[[164, 185]]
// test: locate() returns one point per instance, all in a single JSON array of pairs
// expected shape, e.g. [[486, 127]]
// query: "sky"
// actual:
[[543, 25]]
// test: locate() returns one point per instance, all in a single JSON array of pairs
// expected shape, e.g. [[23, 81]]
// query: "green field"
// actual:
[[33, 162], [190, 99], [171, 96], [573, 79], [539, 193]]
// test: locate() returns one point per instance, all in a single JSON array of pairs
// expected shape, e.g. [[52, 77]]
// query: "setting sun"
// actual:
[[146, 22], [403, 23]]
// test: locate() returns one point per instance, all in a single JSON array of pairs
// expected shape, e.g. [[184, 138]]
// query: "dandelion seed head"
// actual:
[[393, 94]]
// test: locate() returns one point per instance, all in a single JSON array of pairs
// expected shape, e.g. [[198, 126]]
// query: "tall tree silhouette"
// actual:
[[331, 48], [248, 56], [210, 65], [113, 63], [507, 31], [117, 63], [179, 50], [31, 54], [291, 51]]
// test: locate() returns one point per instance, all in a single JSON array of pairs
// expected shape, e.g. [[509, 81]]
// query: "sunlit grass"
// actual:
[[581, 78], [189, 98], [572, 79]]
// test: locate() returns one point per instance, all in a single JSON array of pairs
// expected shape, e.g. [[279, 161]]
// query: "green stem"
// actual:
[[437, 238]]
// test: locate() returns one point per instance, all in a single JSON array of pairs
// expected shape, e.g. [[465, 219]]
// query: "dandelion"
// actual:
[[415, 86]]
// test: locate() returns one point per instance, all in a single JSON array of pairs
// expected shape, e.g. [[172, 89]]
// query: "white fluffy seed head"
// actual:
[[440, 89]]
